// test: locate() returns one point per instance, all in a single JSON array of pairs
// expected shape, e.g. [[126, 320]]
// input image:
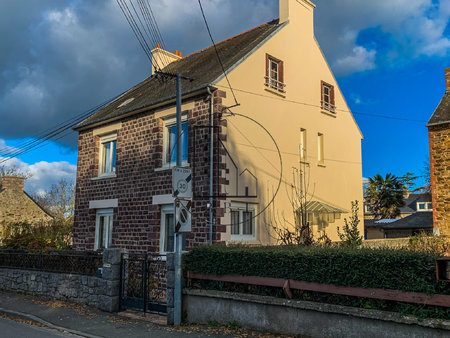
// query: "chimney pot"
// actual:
[[447, 79], [13, 183], [158, 45]]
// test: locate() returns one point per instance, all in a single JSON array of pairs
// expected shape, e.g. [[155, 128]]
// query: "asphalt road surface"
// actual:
[[12, 329]]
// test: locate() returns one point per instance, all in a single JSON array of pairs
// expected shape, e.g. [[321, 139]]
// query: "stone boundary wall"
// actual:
[[304, 318], [102, 293]]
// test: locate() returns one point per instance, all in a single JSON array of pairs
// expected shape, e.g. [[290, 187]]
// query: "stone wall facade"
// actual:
[[439, 142], [18, 206], [100, 292], [140, 176]]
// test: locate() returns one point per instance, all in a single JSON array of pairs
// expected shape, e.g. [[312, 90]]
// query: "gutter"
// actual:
[[211, 164], [152, 105]]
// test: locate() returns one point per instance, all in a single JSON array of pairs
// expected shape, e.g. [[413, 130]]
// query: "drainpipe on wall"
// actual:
[[211, 166]]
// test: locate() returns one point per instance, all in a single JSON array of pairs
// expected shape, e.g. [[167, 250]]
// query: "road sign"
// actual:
[[182, 182], [183, 216]]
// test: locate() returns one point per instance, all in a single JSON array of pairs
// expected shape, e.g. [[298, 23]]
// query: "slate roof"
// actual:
[[442, 113], [418, 220], [202, 66], [411, 202]]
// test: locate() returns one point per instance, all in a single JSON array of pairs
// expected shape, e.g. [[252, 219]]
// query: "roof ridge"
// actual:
[[227, 39]]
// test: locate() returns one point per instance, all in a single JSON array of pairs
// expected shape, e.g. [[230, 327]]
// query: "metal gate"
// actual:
[[143, 282]]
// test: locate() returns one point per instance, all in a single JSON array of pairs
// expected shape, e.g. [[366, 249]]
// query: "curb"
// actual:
[[45, 323]]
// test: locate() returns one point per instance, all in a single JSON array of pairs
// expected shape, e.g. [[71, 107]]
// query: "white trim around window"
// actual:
[[103, 229], [169, 154], [243, 221], [167, 229], [107, 156]]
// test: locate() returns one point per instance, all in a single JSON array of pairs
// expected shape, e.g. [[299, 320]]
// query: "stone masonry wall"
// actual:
[[439, 142], [139, 177], [102, 293]]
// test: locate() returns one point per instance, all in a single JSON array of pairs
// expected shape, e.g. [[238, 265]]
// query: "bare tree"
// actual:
[[13, 171], [59, 200]]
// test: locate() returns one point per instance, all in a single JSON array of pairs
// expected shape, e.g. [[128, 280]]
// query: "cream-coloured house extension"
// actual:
[[288, 99], [288, 87]]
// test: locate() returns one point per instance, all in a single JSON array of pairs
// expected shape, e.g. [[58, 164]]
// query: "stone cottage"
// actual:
[[439, 143], [16, 205]]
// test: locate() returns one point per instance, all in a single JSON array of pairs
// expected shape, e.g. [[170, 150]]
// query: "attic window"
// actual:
[[274, 74], [124, 103], [424, 206]]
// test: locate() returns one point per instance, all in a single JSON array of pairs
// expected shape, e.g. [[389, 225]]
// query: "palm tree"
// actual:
[[384, 196]]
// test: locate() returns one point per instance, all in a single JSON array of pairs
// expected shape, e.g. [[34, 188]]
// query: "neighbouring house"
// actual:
[[439, 143], [16, 205], [415, 217], [286, 91]]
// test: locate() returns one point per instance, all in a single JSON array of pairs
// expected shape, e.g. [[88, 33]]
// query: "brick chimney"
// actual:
[[13, 183], [162, 57], [447, 80]]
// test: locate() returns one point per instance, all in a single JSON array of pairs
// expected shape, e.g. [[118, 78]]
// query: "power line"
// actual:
[[319, 106], [217, 52]]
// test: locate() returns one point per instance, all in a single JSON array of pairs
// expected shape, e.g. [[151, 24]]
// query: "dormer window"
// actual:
[[274, 74], [424, 206], [327, 101]]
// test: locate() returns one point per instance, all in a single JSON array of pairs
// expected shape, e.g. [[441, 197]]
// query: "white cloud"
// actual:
[[361, 59], [400, 30], [43, 174], [5, 149]]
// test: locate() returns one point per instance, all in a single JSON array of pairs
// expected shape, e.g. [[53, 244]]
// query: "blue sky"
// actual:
[[61, 57]]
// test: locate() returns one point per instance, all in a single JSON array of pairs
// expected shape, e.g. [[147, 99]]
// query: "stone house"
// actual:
[[416, 217], [439, 143], [242, 185], [16, 205]]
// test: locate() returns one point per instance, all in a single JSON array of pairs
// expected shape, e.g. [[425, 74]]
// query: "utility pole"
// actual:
[[178, 237]]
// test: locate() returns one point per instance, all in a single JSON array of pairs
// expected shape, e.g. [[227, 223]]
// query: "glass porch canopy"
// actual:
[[322, 214]]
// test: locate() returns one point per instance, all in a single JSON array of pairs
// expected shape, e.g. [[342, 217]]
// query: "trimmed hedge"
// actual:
[[369, 268]]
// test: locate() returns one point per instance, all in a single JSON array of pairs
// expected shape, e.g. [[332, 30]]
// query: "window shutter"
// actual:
[[332, 96], [281, 75], [321, 93], [267, 69]]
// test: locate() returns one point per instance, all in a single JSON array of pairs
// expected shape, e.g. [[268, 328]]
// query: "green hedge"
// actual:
[[369, 268]]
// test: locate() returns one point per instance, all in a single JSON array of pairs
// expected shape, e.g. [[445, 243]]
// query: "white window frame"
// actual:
[[241, 208], [109, 214], [320, 149], [111, 171], [167, 124], [326, 98], [427, 206], [165, 210], [303, 145]]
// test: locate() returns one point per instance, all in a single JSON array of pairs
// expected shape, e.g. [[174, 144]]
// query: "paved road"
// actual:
[[12, 329]]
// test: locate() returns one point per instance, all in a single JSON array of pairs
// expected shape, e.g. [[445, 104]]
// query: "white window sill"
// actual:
[[171, 166], [103, 177], [321, 165], [329, 113], [275, 91]]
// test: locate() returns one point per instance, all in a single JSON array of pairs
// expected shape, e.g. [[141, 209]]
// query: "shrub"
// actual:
[[369, 268], [52, 235], [431, 244]]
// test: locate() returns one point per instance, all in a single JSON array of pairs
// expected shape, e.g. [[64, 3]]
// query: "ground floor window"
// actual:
[[167, 229], [103, 229], [243, 221]]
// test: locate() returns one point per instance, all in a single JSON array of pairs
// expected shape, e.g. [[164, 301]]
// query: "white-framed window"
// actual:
[[103, 229], [328, 97], [274, 73], [320, 148], [303, 153], [170, 141], [424, 206], [243, 221], [167, 229], [108, 146]]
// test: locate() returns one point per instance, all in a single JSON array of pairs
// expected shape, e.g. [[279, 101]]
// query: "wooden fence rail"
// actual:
[[288, 284]]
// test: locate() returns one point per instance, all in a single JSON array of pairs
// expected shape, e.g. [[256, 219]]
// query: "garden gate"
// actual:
[[143, 282]]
